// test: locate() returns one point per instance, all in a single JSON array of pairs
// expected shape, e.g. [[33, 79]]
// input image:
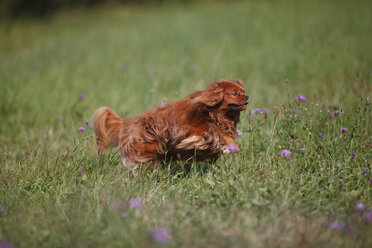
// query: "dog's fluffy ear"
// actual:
[[239, 82], [213, 95]]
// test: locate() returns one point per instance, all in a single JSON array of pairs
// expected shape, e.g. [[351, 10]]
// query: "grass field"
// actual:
[[56, 191]]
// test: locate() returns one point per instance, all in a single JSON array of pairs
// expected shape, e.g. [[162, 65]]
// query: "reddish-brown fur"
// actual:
[[197, 127]]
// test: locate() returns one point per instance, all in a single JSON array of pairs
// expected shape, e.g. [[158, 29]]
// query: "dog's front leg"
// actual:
[[230, 146]]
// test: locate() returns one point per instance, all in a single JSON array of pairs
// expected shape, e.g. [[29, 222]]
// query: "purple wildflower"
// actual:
[[285, 153], [258, 110], [266, 111], [301, 98], [88, 124], [348, 229], [2, 208], [302, 149], [124, 215], [360, 206], [135, 203], [290, 116], [152, 72], [81, 96], [193, 67], [161, 235], [320, 135], [100, 148], [116, 204], [353, 154], [60, 117], [81, 128], [81, 173], [344, 129], [121, 67], [335, 225], [368, 216], [342, 183], [162, 104], [336, 112], [364, 172], [238, 132], [232, 148], [6, 244], [295, 116]]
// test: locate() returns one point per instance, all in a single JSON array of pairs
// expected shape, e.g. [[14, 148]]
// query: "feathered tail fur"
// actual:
[[107, 127]]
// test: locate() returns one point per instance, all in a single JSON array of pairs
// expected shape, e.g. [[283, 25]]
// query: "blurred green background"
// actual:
[[40, 8], [61, 60], [133, 57]]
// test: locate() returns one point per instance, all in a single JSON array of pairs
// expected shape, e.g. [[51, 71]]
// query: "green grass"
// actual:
[[257, 198]]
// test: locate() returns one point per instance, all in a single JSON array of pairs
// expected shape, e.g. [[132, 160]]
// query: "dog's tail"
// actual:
[[107, 127]]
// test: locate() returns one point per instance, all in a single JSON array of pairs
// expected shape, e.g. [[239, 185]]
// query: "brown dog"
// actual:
[[201, 126]]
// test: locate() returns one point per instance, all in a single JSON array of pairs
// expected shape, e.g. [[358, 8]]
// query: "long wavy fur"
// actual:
[[199, 127]]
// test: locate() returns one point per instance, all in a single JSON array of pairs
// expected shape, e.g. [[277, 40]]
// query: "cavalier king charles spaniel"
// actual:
[[202, 127]]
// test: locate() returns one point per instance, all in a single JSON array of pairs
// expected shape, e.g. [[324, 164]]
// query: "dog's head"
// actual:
[[224, 95]]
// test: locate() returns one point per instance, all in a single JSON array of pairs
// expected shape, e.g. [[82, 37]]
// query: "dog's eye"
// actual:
[[235, 93]]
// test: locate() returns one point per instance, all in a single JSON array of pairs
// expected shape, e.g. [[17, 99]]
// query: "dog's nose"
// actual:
[[246, 97]]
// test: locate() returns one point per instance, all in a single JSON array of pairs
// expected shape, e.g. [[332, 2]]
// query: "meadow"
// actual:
[[56, 190]]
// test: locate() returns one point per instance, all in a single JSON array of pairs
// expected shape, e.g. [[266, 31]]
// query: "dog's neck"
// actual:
[[226, 119], [229, 114], [233, 115]]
